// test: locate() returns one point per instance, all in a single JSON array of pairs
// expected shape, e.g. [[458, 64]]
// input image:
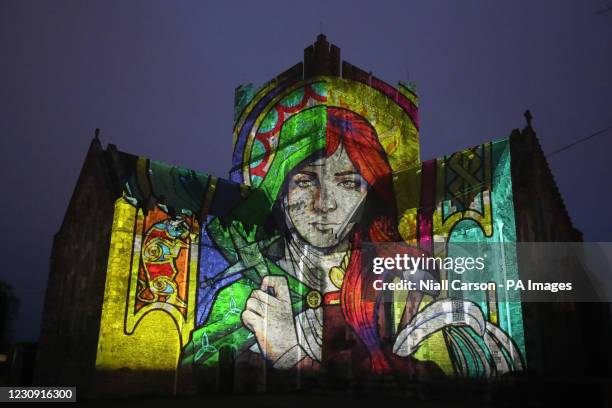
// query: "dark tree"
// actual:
[[9, 306]]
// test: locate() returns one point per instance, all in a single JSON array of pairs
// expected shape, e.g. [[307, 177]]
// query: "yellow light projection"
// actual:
[[149, 295]]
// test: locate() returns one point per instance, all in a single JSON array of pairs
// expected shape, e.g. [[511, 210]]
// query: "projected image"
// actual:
[[270, 268], [331, 184]]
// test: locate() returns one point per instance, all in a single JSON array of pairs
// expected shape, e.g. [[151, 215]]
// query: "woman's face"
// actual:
[[322, 196]]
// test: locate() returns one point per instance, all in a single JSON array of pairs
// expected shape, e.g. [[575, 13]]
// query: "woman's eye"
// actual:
[[349, 184], [304, 183]]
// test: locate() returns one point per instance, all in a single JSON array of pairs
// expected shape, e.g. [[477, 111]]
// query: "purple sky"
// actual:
[[158, 79]]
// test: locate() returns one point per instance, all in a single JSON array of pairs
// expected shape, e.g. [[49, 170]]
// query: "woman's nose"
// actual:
[[326, 200]]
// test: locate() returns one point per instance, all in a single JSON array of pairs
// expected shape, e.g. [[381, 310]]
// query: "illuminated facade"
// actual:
[[259, 282]]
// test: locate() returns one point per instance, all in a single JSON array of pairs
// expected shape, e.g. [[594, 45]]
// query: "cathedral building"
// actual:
[[168, 280]]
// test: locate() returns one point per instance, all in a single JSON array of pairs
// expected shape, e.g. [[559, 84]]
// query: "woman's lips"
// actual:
[[324, 226]]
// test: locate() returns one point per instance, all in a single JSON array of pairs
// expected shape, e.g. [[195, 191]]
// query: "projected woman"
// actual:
[[294, 278], [319, 206]]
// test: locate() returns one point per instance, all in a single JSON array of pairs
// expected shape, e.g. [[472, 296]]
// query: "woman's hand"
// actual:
[[269, 316]]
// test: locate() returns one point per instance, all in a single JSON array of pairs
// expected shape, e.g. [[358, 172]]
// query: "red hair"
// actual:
[[357, 294]]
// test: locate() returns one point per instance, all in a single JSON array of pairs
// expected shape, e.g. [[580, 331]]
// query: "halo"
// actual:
[[395, 127]]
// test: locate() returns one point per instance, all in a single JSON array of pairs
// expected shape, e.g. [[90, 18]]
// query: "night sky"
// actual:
[[158, 79]]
